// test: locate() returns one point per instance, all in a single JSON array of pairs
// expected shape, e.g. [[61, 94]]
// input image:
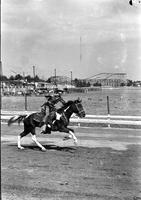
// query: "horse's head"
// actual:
[[78, 108]]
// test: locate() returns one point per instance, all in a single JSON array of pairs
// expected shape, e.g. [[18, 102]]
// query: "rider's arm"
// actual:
[[62, 100], [58, 99], [45, 104]]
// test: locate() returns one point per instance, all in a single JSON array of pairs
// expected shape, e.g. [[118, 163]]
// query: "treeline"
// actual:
[[81, 83], [132, 83], [19, 77], [76, 82]]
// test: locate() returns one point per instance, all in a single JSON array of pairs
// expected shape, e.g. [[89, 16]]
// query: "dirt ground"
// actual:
[[72, 172]]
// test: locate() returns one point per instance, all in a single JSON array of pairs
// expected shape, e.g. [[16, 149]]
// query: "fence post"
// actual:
[[25, 95], [108, 109], [25, 104]]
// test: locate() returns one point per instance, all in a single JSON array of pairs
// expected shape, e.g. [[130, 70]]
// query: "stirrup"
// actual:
[[42, 132], [67, 137]]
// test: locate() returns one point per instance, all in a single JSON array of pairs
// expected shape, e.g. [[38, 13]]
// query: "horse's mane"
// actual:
[[68, 103]]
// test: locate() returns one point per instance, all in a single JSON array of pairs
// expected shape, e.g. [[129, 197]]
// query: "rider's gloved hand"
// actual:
[[48, 125]]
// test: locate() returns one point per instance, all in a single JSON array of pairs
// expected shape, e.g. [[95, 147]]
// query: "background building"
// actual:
[[109, 79], [59, 80]]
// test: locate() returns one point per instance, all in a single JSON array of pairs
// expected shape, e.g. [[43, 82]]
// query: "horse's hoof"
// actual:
[[42, 132], [66, 138], [76, 143], [21, 148], [43, 149]]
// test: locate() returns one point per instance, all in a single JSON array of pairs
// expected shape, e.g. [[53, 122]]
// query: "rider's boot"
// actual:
[[43, 129], [48, 129]]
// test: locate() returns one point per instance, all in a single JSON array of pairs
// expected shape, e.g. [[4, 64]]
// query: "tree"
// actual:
[[36, 79], [76, 82], [97, 84], [88, 84], [81, 83], [129, 82], [48, 80], [4, 78], [18, 77], [29, 78], [122, 84], [11, 78]]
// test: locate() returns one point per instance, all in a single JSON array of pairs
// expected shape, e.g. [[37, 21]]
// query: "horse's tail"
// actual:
[[16, 118]]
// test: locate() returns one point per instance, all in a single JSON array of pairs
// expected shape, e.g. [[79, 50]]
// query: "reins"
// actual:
[[78, 105], [79, 110]]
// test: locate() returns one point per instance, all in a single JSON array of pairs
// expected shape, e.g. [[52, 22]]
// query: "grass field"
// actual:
[[123, 101]]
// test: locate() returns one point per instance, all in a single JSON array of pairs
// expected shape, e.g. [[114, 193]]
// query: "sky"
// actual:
[[86, 37]]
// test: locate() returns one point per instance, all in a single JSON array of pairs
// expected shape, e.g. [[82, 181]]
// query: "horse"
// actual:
[[61, 125]]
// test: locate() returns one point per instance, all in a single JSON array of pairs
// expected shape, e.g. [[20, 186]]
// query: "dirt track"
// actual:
[[103, 172]]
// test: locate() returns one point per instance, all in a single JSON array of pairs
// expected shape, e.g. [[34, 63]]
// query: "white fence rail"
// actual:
[[89, 119]]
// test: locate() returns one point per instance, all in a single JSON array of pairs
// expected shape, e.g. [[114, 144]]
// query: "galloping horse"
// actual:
[[30, 122]]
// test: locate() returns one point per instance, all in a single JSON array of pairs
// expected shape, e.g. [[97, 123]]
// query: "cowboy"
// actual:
[[51, 102]]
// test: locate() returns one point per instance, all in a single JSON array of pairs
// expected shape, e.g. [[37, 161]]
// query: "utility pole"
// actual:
[[71, 78], [1, 84], [34, 76], [25, 92], [1, 68], [55, 77]]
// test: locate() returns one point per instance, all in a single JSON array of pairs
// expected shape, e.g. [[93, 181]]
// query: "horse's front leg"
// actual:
[[34, 138], [71, 135], [71, 132]]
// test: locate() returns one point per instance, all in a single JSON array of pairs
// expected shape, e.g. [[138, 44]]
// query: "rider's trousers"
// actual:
[[48, 119]]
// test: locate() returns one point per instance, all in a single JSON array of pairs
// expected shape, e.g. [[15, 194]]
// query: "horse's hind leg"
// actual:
[[24, 133], [19, 139], [34, 138]]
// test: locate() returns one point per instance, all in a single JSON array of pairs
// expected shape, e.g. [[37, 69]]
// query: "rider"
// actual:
[[52, 100]]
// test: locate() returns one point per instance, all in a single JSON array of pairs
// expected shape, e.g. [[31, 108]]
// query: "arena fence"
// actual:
[[89, 120]]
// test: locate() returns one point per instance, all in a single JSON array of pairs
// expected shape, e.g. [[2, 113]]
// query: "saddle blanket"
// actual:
[[39, 117]]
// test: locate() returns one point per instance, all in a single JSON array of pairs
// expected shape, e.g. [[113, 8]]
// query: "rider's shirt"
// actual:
[[52, 101]]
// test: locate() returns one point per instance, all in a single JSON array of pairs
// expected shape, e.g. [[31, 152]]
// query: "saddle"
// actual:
[[63, 118], [39, 117]]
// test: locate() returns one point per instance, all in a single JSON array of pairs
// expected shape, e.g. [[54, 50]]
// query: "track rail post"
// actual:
[[108, 109]]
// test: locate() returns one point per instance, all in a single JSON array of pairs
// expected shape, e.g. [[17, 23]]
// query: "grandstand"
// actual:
[[108, 79]]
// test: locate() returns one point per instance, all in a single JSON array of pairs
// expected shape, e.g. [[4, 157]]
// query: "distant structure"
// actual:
[[60, 80], [1, 73], [108, 79]]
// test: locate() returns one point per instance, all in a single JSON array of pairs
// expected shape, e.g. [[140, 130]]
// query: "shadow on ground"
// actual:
[[48, 147]]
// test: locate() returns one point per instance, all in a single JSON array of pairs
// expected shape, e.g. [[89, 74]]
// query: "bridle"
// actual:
[[80, 112], [80, 109]]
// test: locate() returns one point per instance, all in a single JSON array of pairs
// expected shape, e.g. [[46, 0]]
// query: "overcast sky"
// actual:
[[86, 37]]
